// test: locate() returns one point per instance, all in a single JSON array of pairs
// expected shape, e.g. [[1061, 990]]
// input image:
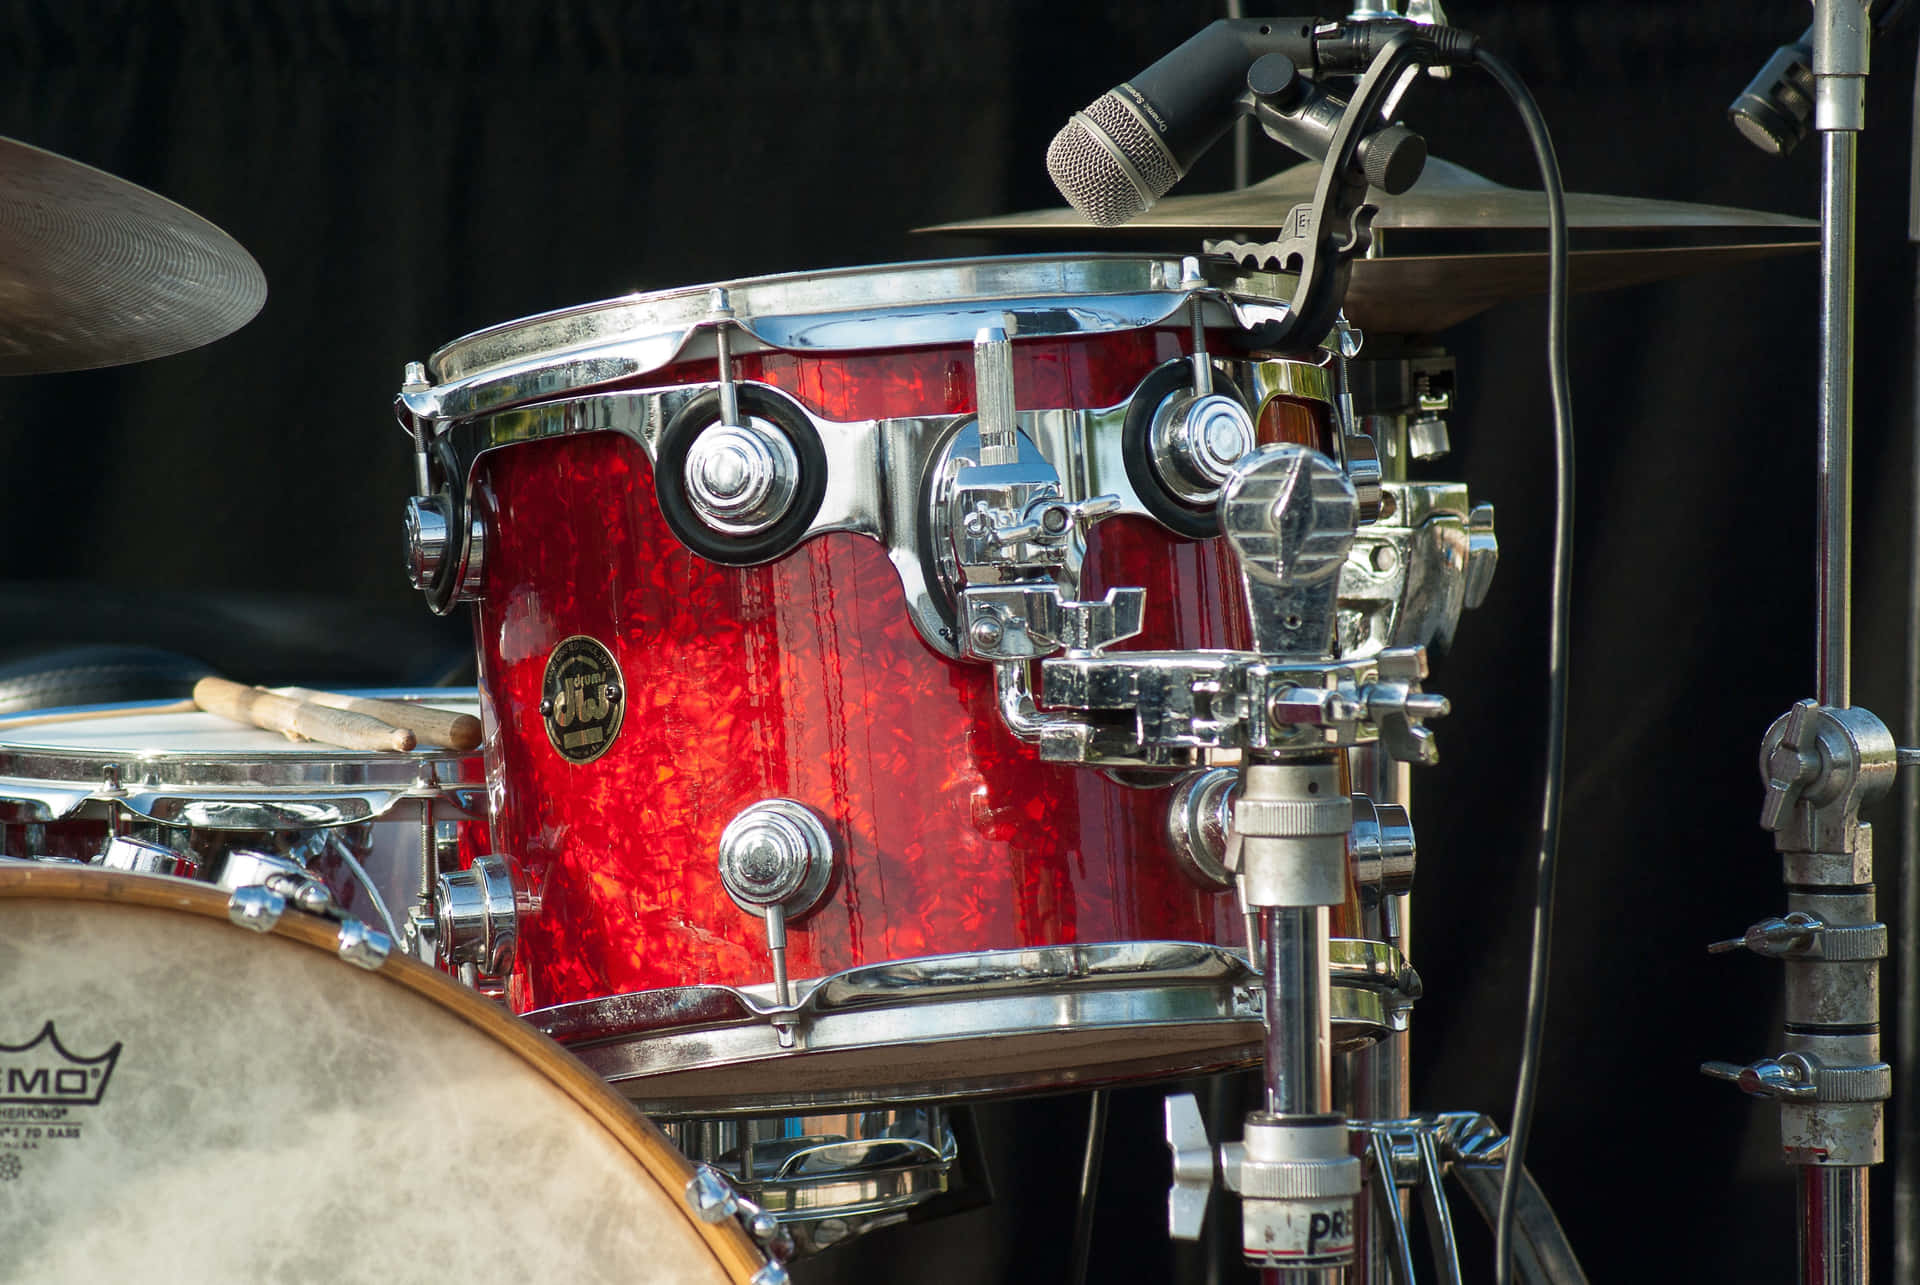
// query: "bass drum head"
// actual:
[[185, 1100]]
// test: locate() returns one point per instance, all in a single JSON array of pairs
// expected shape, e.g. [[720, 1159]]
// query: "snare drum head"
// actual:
[[185, 1100]]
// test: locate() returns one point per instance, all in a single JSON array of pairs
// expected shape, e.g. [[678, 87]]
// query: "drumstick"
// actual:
[[431, 726], [112, 711], [276, 713]]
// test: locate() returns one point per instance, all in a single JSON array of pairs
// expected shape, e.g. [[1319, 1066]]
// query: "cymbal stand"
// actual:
[[1822, 761]]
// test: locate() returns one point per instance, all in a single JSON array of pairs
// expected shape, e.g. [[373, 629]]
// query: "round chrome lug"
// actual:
[[776, 853], [741, 479], [1196, 441]]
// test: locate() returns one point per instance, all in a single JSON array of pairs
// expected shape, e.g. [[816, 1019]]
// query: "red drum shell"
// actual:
[[799, 679]]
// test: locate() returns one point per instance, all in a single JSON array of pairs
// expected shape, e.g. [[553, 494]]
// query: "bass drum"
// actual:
[[181, 1099]]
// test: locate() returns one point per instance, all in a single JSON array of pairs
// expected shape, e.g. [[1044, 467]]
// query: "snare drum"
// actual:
[[205, 787], [726, 700], [185, 1100]]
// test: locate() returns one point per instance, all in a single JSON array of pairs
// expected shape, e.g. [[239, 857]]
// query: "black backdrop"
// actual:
[[405, 172]]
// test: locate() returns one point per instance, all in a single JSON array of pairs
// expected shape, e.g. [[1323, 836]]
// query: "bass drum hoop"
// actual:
[[635, 1134]]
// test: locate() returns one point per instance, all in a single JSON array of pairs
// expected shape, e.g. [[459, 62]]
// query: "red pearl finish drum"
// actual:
[[989, 922]]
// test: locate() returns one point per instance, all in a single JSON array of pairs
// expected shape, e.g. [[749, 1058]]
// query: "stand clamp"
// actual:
[[1821, 765]]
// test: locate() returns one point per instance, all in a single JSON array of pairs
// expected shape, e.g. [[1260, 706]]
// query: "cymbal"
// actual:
[[1448, 197], [96, 271], [1422, 294]]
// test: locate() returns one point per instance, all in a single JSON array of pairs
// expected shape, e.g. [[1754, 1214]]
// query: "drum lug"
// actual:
[[477, 916], [776, 859], [137, 856]]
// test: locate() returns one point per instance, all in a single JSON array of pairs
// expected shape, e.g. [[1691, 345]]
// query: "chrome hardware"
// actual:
[[141, 857], [1411, 573], [363, 947], [1483, 553], [827, 1178], [993, 396], [776, 853], [1821, 765], [741, 478], [1289, 513], [712, 1198], [776, 860], [1363, 470], [1200, 831], [430, 544], [477, 918], [946, 1027], [1196, 439], [1427, 438], [256, 908], [1381, 847], [1801, 1077], [1026, 621], [245, 868], [1803, 936], [426, 523], [1199, 818], [576, 371], [1294, 1175]]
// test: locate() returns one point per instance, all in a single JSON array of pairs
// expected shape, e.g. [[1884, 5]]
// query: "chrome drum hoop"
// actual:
[[943, 301], [1049, 1018], [201, 771]]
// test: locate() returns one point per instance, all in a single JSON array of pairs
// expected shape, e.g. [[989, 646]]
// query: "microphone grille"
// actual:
[[1109, 164]]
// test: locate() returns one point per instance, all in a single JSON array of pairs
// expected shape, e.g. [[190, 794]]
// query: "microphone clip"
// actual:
[[1318, 240]]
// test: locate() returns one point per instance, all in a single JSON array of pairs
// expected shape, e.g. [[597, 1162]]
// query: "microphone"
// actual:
[[1133, 143], [1772, 111], [1114, 160]]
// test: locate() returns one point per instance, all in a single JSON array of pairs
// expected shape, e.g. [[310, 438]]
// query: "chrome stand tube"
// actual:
[[1299, 1048], [1833, 1211], [1906, 1149], [1833, 1225], [1833, 569]]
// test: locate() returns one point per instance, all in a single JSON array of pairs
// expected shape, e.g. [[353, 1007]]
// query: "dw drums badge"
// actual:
[[582, 699]]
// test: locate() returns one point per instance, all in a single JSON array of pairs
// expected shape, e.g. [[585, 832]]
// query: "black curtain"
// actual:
[[407, 172]]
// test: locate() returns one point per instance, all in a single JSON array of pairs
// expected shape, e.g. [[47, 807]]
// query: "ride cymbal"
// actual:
[[1448, 198], [96, 271], [1422, 294]]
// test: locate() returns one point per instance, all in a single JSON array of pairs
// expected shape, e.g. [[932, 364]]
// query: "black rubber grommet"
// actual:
[[1136, 448], [443, 592], [670, 479]]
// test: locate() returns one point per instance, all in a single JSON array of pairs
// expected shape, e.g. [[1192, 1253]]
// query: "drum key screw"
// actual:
[[414, 377]]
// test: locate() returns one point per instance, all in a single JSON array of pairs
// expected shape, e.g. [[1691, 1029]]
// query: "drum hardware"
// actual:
[[136, 856], [259, 908], [713, 1198], [694, 1051], [1408, 576], [1380, 840], [1821, 765], [828, 1179], [477, 916], [776, 860], [467, 416]]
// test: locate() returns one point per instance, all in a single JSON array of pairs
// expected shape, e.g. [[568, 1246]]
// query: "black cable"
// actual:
[[1561, 613]]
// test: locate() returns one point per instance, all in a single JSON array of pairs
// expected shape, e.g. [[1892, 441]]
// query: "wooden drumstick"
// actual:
[[431, 726], [244, 704]]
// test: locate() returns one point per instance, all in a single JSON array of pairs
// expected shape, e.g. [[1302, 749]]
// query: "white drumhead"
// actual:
[[272, 1113], [200, 769]]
